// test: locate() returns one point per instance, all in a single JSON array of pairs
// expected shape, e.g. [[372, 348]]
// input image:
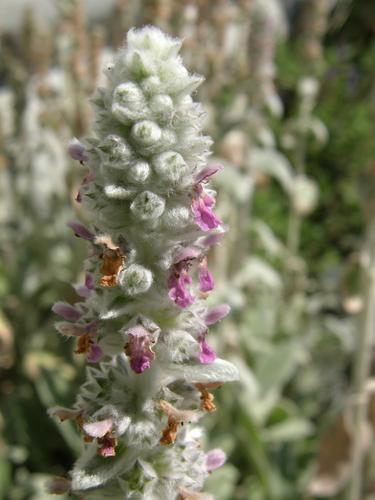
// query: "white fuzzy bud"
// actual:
[[162, 106], [139, 172], [147, 206], [140, 64], [146, 133], [151, 85], [135, 279], [115, 150], [118, 193], [129, 104], [170, 166], [176, 218]]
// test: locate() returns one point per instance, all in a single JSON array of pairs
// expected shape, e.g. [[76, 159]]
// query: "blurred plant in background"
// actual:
[[290, 99]]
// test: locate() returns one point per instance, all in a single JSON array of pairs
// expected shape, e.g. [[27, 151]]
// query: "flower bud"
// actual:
[[147, 206], [118, 193], [115, 151], [139, 172], [146, 133], [129, 104], [170, 166], [151, 85], [162, 106], [135, 279], [176, 218]]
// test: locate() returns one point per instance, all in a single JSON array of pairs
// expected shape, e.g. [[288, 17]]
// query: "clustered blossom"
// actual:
[[140, 316]]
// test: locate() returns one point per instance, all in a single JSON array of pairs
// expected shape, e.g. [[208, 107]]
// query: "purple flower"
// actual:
[[202, 210], [77, 150], [86, 289], [139, 349], [206, 281], [207, 172], [66, 311], [216, 314], [214, 459], [207, 354], [80, 230]]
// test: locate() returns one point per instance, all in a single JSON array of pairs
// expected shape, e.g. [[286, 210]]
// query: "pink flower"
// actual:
[[81, 231], [107, 446], [207, 354], [203, 203], [77, 150], [180, 278], [66, 311], [102, 431], [214, 459], [202, 210], [206, 281], [139, 349], [177, 287], [216, 314]]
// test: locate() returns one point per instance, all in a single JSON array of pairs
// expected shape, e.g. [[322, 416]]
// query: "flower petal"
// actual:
[[212, 239], [89, 281], [187, 253], [206, 281], [207, 354], [98, 429], [177, 288], [214, 459], [203, 215], [80, 230], [66, 311], [208, 172], [216, 314], [139, 349], [71, 329], [77, 150], [95, 354]]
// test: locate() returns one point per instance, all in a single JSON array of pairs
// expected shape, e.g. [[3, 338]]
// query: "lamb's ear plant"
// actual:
[[142, 321]]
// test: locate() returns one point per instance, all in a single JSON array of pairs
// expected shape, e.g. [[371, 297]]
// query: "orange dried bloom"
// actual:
[[175, 418], [83, 344], [206, 397], [113, 262]]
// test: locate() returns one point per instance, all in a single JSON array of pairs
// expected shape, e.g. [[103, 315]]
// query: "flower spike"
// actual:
[[140, 318]]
